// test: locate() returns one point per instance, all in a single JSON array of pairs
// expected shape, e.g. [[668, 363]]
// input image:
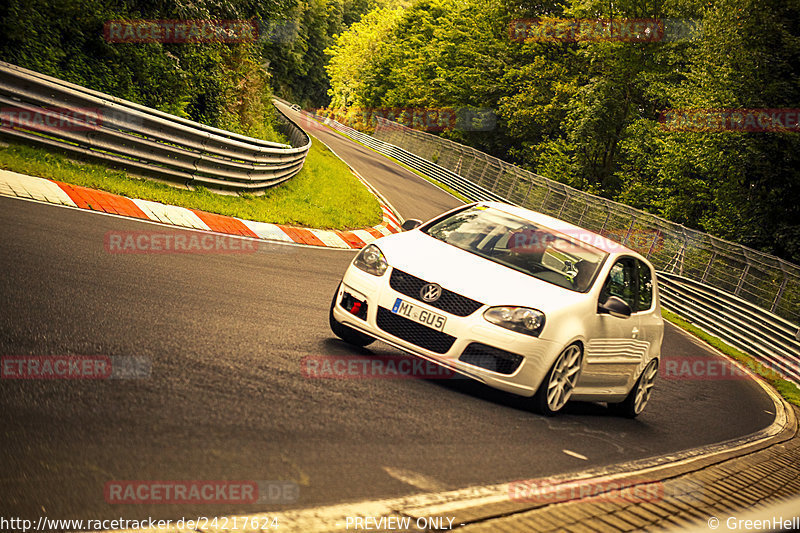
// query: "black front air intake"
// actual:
[[449, 301]]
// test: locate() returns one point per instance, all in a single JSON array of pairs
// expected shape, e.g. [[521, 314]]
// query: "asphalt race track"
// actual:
[[410, 194], [226, 399]]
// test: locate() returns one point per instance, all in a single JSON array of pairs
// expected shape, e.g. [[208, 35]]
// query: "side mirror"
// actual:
[[411, 223], [615, 306]]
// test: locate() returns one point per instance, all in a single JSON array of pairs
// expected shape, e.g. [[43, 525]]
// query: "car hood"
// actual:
[[471, 275]]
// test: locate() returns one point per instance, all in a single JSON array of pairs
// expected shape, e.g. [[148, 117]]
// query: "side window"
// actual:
[[621, 282], [645, 287]]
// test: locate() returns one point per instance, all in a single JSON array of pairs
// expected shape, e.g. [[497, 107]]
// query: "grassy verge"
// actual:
[[786, 389], [325, 194]]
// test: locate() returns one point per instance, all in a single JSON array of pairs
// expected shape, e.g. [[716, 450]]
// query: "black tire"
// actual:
[[628, 408], [540, 401], [346, 333]]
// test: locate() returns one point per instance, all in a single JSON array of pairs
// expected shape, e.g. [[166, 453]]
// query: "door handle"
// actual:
[[635, 332]]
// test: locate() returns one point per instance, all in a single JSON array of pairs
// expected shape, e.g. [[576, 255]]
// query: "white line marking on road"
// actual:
[[575, 454]]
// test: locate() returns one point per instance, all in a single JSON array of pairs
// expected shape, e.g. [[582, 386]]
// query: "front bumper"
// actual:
[[537, 355]]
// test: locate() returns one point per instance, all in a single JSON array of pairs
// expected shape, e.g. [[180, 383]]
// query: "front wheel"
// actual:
[[347, 333], [557, 387], [639, 395]]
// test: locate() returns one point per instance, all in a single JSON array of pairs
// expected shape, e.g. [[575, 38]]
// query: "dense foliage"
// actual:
[[582, 112], [587, 112], [223, 84]]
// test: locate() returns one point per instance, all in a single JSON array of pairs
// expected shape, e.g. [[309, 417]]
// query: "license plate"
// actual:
[[419, 315]]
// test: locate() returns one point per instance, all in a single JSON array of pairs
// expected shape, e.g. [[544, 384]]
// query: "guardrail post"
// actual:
[[585, 208], [630, 229], [653, 244], [708, 267], [497, 179], [741, 279], [544, 200], [608, 217], [513, 185], [678, 257], [779, 294], [530, 186], [483, 172], [564, 203]]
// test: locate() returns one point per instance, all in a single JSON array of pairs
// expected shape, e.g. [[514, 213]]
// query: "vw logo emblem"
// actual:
[[430, 292]]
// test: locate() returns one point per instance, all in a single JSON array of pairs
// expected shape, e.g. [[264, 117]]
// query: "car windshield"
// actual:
[[523, 245]]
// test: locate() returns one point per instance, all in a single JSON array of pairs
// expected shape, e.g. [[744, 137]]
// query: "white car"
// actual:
[[520, 301]]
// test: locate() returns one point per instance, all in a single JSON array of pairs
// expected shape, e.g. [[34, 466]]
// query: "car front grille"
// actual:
[[491, 358], [449, 301], [410, 331]]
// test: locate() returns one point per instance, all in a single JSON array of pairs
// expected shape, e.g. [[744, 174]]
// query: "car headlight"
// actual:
[[520, 319], [371, 260]]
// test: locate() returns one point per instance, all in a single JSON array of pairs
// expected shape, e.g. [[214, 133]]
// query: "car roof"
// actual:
[[589, 237]]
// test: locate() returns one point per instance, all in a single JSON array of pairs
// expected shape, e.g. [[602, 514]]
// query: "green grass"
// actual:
[[785, 388], [325, 194]]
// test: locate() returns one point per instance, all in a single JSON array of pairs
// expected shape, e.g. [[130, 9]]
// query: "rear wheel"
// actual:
[[347, 333], [637, 399], [557, 387]]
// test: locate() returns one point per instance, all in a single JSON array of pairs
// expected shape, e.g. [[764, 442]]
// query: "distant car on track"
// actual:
[[520, 301]]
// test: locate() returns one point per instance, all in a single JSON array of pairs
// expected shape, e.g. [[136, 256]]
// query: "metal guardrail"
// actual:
[[442, 175], [756, 332], [56, 114], [762, 279], [762, 333]]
